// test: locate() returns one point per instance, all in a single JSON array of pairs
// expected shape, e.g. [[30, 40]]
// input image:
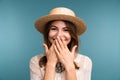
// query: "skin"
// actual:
[[59, 37]]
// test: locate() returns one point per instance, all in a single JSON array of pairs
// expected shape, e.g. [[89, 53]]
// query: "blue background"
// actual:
[[19, 40]]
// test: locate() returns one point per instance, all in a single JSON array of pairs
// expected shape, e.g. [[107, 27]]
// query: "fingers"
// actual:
[[73, 49], [63, 43], [56, 50], [60, 43], [45, 47], [57, 46]]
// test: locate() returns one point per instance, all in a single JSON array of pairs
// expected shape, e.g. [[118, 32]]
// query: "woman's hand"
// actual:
[[50, 54], [51, 62], [65, 56]]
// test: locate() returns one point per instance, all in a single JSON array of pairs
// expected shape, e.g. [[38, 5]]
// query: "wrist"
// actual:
[[49, 63], [70, 67]]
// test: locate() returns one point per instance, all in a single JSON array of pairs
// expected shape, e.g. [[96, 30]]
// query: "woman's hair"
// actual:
[[74, 38]]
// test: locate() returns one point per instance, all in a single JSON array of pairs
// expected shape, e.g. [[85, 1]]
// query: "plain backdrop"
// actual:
[[20, 41]]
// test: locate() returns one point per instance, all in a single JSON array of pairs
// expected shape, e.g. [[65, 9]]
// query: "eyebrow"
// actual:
[[56, 26], [53, 26]]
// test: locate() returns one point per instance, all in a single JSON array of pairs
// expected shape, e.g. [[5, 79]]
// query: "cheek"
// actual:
[[68, 38], [51, 36]]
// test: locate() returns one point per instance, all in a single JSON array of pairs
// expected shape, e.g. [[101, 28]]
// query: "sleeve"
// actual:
[[84, 73], [88, 68], [35, 72]]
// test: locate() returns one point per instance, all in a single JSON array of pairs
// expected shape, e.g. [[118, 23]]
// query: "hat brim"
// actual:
[[79, 23]]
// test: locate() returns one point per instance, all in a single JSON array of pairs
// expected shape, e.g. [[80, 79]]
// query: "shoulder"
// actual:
[[84, 60], [84, 57], [36, 58], [35, 70]]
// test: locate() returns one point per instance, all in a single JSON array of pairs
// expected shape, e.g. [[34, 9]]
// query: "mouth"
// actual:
[[53, 39]]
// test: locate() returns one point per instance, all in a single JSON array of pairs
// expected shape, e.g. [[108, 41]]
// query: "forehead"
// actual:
[[58, 23]]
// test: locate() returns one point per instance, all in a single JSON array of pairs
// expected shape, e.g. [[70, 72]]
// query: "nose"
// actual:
[[59, 33]]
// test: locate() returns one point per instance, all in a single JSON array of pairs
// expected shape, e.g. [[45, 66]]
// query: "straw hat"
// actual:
[[61, 13]]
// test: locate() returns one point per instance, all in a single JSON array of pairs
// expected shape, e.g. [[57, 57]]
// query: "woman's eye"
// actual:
[[53, 28], [66, 29]]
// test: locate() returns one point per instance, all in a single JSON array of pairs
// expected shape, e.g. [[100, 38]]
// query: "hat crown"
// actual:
[[62, 11]]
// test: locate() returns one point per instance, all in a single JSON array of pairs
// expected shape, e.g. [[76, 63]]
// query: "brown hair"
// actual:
[[74, 39]]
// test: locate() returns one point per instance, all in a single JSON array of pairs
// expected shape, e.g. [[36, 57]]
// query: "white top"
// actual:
[[83, 73]]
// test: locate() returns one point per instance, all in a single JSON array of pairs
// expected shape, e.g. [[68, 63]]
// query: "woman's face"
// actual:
[[59, 29]]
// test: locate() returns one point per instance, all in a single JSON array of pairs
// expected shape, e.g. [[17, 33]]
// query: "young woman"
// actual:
[[61, 60]]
